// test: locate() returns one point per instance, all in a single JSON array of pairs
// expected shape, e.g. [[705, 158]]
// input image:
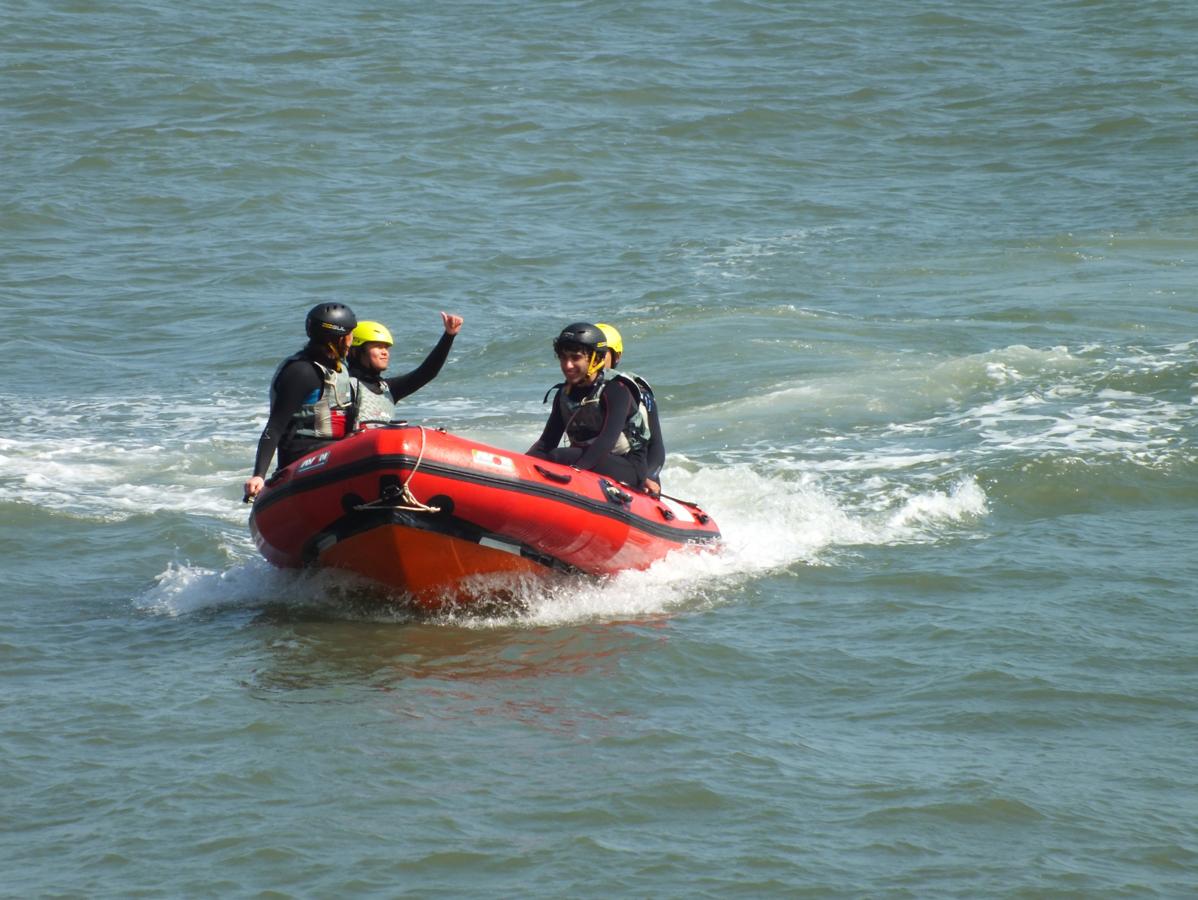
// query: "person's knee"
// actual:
[[567, 456]]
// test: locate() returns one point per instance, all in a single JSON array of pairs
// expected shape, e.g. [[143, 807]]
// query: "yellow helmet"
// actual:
[[372, 332], [615, 343]]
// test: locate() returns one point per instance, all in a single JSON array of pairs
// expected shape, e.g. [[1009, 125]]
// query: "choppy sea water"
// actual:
[[916, 290]]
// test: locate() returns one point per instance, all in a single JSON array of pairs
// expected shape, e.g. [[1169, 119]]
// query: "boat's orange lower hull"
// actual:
[[434, 568]]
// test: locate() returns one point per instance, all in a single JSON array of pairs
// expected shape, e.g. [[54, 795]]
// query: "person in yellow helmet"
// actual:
[[603, 418], [369, 356], [656, 451]]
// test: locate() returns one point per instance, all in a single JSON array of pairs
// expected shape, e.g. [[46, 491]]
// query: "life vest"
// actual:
[[584, 417], [323, 413], [371, 407]]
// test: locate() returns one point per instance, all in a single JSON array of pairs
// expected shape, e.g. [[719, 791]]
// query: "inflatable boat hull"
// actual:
[[447, 519]]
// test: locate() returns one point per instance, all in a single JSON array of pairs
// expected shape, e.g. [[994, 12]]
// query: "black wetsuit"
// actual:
[[616, 405], [297, 383], [403, 385], [656, 451]]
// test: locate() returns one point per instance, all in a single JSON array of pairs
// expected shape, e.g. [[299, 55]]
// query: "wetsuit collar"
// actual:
[[364, 374]]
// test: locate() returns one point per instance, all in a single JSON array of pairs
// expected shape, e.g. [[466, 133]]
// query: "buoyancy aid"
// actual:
[[584, 416], [323, 413], [370, 406]]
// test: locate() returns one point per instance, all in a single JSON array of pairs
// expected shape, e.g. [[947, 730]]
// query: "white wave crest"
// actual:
[[964, 501], [184, 589]]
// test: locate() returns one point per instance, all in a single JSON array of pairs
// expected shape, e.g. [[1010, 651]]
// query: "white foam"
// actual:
[[796, 497], [156, 455], [1106, 424], [108, 484], [905, 387], [965, 500], [769, 523], [183, 589]]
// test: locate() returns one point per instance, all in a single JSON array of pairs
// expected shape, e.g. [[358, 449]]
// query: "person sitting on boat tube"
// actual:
[[369, 355], [311, 394], [603, 418], [656, 453]]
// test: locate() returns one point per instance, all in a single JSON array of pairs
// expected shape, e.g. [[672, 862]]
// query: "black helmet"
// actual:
[[581, 336], [329, 321]]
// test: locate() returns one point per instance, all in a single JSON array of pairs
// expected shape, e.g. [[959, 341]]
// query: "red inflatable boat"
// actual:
[[446, 519]]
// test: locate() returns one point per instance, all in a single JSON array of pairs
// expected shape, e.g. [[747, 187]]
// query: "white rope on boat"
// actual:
[[410, 503], [409, 498]]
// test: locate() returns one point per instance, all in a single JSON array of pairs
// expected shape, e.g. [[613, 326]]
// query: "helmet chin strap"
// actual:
[[335, 353], [596, 364]]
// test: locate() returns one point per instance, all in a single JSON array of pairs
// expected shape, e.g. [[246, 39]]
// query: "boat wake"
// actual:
[[917, 454], [771, 522]]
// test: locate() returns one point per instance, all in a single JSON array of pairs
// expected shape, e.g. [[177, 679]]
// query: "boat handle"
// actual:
[[559, 477], [614, 494], [699, 514]]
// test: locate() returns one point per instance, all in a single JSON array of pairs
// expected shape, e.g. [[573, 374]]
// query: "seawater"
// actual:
[[915, 286]]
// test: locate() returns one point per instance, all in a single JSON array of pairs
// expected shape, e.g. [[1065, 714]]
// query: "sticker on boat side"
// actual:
[[494, 461], [683, 514], [313, 462]]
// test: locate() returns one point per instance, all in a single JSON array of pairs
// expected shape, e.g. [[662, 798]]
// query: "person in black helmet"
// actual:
[[311, 393], [603, 418]]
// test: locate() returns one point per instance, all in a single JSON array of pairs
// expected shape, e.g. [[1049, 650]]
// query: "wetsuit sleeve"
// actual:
[[403, 385], [657, 446], [552, 434], [617, 405], [292, 387]]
